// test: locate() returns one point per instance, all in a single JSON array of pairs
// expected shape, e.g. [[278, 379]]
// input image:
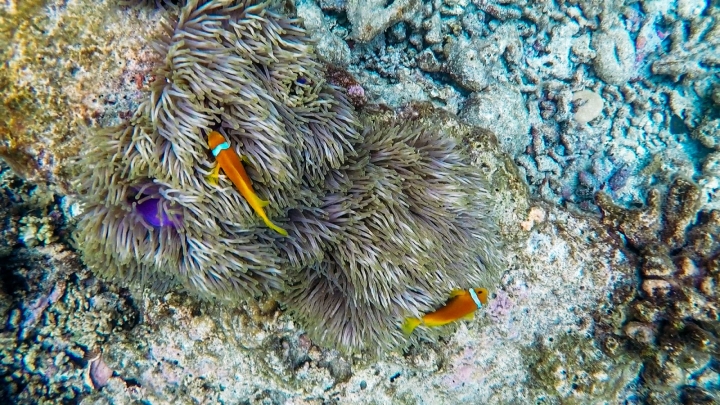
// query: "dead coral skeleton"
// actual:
[[695, 50]]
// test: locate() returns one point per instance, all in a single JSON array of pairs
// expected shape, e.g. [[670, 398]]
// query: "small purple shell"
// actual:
[[151, 210]]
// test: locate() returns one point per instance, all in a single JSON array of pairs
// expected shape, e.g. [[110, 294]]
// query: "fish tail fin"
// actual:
[[213, 177], [276, 228], [409, 325]]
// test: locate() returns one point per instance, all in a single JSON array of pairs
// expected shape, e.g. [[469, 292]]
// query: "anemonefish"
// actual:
[[229, 162], [461, 305]]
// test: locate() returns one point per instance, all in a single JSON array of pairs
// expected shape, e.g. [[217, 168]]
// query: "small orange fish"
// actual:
[[461, 305], [230, 163]]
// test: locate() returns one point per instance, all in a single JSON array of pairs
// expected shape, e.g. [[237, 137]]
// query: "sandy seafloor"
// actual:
[[616, 97]]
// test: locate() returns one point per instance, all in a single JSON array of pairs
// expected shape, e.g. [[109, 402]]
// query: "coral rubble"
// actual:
[[632, 60]]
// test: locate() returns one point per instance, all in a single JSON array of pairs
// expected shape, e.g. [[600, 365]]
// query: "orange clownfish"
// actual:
[[229, 162], [461, 305]]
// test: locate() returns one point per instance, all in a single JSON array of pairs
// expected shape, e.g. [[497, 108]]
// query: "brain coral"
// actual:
[[382, 224]]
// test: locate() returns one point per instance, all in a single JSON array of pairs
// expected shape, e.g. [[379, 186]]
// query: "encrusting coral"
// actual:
[[63, 65], [381, 224]]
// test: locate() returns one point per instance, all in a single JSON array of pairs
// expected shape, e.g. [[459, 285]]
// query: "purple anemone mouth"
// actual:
[[151, 209]]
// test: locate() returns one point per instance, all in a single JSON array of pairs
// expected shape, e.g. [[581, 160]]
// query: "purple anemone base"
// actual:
[[151, 210]]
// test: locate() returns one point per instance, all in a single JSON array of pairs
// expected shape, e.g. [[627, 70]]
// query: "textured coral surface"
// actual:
[[67, 65]]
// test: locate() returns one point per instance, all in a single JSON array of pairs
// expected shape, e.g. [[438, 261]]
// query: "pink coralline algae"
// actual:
[[341, 78], [465, 371], [500, 307], [356, 91]]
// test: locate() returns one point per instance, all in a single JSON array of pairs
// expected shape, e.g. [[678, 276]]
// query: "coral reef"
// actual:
[[585, 96], [672, 321], [54, 311], [171, 348], [708, 133], [487, 108], [619, 55]]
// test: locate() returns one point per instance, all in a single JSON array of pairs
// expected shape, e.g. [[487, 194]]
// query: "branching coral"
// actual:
[[672, 321], [694, 52], [381, 224]]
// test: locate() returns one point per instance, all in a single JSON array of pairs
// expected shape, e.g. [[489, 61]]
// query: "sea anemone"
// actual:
[[382, 224], [412, 226], [241, 69]]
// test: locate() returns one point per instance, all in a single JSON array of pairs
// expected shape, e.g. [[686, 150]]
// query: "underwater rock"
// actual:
[[465, 65], [711, 166], [500, 106], [576, 371], [371, 17], [331, 49], [708, 133], [476, 63], [554, 59], [81, 65], [690, 9]]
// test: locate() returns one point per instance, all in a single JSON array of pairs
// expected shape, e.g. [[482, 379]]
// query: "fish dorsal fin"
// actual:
[[469, 317], [457, 292]]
